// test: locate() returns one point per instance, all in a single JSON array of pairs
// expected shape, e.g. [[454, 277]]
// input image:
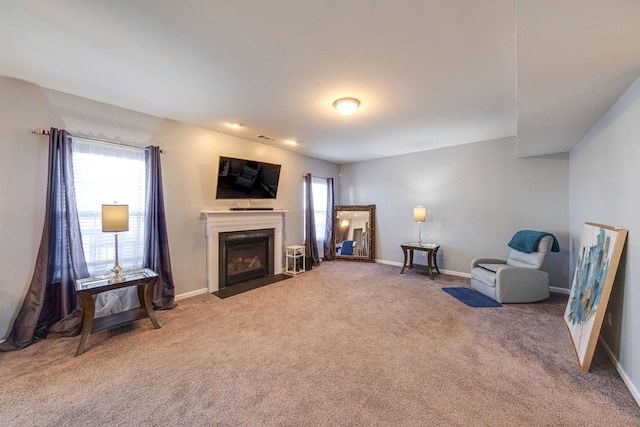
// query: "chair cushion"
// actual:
[[486, 273], [524, 260], [533, 260], [492, 267]]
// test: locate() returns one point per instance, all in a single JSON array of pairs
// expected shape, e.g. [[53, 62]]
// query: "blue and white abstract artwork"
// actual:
[[591, 273], [591, 282]]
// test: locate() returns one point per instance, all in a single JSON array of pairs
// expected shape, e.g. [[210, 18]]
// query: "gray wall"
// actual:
[[477, 196], [189, 168], [604, 176]]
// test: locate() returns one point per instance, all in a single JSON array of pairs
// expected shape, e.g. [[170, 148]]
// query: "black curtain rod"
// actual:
[[39, 131], [315, 176]]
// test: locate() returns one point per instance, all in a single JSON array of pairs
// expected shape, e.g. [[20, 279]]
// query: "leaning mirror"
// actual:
[[354, 231]]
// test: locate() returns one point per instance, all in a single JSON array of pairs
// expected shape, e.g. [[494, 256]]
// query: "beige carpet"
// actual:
[[345, 344]]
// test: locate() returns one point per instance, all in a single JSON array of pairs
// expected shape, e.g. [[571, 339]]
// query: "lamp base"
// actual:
[[117, 278], [116, 268]]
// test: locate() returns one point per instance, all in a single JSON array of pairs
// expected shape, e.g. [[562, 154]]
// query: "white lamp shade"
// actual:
[[115, 218], [419, 214]]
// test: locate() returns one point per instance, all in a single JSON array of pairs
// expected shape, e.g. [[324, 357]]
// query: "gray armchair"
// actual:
[[520, 278]]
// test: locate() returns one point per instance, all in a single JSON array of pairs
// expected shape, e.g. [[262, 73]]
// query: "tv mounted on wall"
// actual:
[[247, 179]]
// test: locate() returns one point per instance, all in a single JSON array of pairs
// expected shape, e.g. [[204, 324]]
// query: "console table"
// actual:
[[431, 250], [144, 279]]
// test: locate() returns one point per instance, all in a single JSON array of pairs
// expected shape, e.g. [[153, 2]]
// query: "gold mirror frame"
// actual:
[[366, 251]]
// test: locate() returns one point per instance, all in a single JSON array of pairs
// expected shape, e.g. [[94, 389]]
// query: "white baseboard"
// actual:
[[559, 290], [450, 272], [191, 294], [632, 388], [456, 273], [382, 261]]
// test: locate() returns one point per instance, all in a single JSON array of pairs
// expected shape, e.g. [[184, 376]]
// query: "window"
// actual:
[[320, 194], [107, 173]]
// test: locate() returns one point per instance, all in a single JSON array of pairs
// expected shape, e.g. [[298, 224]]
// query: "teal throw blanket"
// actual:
[[528, 240]]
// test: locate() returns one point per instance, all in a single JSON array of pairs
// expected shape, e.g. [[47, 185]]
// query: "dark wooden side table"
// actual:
[[144, 279], [431, 250]]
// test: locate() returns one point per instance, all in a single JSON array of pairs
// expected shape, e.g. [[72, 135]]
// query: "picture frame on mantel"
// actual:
[[600, 252]]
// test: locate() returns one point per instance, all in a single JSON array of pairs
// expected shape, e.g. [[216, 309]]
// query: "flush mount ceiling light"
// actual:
[[346, 106], [236, 125]]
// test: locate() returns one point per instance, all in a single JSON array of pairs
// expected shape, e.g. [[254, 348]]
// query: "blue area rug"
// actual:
[[471, 298]]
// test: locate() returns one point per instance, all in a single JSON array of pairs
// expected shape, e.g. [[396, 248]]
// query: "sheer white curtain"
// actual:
[[320, 194], [107, 173]]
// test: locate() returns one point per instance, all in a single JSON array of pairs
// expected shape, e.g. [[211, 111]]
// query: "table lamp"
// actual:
[[115, 218], [419, 216]]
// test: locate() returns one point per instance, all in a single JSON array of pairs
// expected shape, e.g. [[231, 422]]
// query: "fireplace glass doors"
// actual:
[[245, 255]]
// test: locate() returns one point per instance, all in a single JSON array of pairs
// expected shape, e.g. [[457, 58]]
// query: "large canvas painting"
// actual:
[[598, 259]]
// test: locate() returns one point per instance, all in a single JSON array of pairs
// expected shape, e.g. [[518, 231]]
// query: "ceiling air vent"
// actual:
[[265, 137]]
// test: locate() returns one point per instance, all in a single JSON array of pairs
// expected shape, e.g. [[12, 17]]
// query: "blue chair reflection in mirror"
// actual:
[[346, 248]]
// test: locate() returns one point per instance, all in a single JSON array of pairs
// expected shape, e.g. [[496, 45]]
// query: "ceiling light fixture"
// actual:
[[236, 125], [346, 106]]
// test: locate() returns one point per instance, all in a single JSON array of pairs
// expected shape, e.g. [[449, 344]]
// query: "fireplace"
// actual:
[[219, 222], [244, 255]]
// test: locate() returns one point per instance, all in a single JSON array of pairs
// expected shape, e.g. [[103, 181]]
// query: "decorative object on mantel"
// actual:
[[598, 259], [419, 216], [240, 211], [115, 219]]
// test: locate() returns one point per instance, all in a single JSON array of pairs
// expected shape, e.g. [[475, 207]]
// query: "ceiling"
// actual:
[[428, 73]]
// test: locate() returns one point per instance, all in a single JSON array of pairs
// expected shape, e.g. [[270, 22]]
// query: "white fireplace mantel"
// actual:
[[224, 221]]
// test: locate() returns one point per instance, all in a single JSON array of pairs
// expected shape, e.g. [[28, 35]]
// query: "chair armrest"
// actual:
[[477, 261], [520, 285], [520, 274]]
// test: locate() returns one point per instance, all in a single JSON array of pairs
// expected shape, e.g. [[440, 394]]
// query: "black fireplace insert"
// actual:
[[245, 255]]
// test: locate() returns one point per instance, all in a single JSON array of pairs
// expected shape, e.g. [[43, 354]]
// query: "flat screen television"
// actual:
[[247, 179]]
